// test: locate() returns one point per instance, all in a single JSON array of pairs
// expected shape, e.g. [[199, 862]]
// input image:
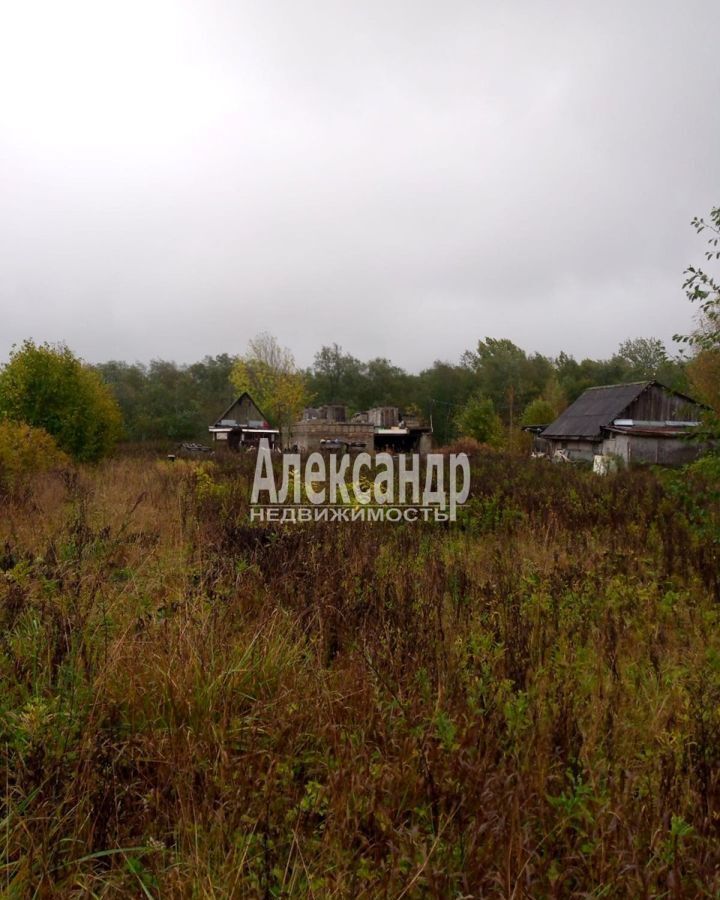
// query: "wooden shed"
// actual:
[[644, 422], [243, 425]]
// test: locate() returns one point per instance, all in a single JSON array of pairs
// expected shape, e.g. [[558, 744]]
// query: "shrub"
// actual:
[[49, 387], [538, 412], [26, 451], [478, 420]]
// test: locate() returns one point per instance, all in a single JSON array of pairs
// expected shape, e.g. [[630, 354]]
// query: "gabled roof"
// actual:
[[236, 401], [595, 410], [598, 407]]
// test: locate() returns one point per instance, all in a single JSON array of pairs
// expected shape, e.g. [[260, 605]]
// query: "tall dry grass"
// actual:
[[524, 704]]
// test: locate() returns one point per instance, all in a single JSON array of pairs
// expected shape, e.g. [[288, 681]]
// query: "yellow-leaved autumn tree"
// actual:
[[703, 372], [269, 374]]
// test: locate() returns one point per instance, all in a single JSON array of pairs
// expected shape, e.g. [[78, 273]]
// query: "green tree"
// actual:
[[576, 377], [336, 377], [507, 375], [440, 392], [538, 412], [554, 395], [646, 357], [49, 387], [704, 289], [478, 419], [384, 384], [166, 400]]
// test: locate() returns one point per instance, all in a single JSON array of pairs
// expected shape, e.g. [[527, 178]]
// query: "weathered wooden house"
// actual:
[[643, 422], [242, 425]]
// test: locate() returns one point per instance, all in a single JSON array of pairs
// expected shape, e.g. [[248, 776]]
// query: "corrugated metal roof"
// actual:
[[595, 410]]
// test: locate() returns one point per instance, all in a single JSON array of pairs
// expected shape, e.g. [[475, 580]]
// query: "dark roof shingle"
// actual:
[[594, 410]]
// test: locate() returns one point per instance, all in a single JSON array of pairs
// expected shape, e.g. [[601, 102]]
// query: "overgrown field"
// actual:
[[523, 704]]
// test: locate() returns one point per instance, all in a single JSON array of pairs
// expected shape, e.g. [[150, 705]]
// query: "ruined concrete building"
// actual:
[[382, 428]]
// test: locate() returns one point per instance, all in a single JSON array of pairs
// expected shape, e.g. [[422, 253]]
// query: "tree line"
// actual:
[[488, 394], [497, 380]]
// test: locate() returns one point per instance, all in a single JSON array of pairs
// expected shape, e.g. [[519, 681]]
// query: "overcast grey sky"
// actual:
[[400, 176]]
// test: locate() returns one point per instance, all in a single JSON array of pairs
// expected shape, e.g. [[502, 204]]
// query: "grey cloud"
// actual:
[[402, 178]]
